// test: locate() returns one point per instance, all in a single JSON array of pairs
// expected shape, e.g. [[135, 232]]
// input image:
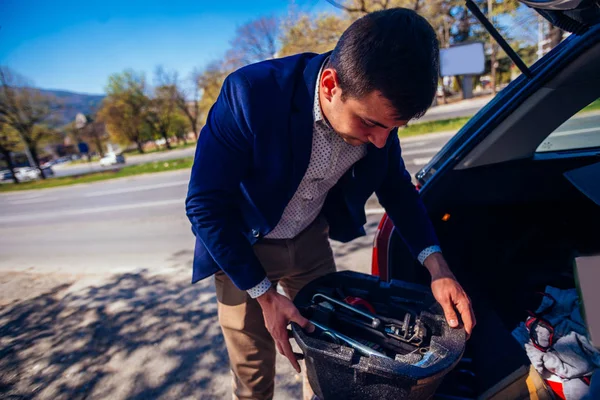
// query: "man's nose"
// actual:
[[379, 139]]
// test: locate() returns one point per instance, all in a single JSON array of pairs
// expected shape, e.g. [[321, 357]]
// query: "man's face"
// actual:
[[369, 119]]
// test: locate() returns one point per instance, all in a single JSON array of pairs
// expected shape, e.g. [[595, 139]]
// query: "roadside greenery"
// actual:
[[157, 166], [595, 106], [442, 125]]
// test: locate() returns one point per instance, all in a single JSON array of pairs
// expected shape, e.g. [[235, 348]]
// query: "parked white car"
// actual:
[[27, 174], [112, 159]]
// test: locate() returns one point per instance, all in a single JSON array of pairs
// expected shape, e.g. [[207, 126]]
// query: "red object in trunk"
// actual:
[[358, 302]]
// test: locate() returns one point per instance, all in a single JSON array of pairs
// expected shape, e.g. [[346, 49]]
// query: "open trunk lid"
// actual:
[[575, 16]]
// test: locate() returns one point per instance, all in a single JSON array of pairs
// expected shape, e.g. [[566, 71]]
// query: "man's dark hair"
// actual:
[[393, 51]]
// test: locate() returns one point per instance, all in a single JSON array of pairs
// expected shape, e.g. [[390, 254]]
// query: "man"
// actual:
[[291, 151]]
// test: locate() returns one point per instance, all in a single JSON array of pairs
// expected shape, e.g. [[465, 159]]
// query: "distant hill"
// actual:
[[76, 103]]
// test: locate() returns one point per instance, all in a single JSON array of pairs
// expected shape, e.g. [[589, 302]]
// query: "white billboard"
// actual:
[[464, 59]]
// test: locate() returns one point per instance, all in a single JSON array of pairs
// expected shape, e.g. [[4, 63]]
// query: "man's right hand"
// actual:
[[278, 312]]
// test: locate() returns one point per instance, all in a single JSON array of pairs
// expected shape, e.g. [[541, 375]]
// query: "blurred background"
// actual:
[[101, 104]]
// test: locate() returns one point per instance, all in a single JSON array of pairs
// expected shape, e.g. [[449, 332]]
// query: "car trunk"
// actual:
[[508, 220], [507, 230]]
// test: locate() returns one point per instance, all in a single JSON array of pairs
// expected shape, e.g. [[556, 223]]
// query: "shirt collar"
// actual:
[[317, 112]]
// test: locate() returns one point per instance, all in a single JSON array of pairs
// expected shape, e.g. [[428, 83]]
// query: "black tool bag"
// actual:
[[374, 340]]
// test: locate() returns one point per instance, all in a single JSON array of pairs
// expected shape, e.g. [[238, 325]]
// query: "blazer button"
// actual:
[[255, 233]]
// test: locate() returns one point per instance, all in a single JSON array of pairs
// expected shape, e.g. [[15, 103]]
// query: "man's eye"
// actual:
[[365, 123]]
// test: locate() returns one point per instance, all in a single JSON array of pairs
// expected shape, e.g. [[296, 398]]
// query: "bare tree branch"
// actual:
[[362, 8], [188, 100], [256, 41]]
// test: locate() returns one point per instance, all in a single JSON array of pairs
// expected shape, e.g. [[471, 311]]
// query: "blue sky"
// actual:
[[76, 45]]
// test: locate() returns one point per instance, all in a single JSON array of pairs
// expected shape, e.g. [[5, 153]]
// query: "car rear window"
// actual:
[[581, 131]]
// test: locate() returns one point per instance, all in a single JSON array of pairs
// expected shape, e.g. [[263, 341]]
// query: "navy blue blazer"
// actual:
[[251, 156]]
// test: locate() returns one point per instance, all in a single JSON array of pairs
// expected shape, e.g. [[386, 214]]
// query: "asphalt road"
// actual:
[[95, 294], [464, 108], [580, 132], [119, 223], [140, 220]]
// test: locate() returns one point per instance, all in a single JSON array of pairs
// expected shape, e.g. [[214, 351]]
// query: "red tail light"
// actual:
[[381, 242], [375, 258]]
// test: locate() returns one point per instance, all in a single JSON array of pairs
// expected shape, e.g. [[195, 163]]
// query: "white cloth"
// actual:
[[572, 356]]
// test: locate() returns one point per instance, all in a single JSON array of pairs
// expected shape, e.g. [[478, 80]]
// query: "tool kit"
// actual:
[[374, 339]]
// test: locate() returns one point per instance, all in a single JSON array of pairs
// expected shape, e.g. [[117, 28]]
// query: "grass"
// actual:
[[157, 166], [452, 124], [84, 160], [160, 149], [595, 106]]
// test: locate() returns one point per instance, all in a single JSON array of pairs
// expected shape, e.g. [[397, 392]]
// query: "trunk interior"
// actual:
[[513, 229]]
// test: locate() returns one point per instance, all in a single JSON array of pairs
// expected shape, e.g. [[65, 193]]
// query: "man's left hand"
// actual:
[[450, 294]]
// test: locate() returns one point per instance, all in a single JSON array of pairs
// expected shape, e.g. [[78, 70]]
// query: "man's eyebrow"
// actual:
[[376, 123]]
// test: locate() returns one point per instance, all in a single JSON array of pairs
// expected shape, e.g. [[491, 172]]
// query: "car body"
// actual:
[[62, 160], [49, 164], [112, 159], [25, 174], [47, 171], [509, 218], [6, 175]]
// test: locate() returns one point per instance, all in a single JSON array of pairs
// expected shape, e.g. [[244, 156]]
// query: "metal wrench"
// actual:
[[365, 350]]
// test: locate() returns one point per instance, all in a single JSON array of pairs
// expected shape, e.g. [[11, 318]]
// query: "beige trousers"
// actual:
[[291, 263]]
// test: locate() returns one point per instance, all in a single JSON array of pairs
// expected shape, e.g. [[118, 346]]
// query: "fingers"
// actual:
[[286, 347], [449, 313], [467, 316], [453, 298], [282, 342], [303, 322]]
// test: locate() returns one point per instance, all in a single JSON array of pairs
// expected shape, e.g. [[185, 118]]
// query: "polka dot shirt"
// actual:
[[330, 158]]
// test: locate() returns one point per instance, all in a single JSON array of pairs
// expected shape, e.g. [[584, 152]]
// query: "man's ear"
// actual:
[[329, 83]]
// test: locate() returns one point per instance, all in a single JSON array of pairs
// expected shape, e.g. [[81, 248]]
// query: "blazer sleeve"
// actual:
[[403, 204], [223, 158]]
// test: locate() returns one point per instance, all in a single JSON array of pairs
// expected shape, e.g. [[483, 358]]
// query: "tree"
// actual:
[[162, 107], [178, 127], [161, 111], [256, 41], [210, 81], [556, 36], [124, 107], [9, 143], [304, 33], [188, 100], [93, 133], [30, 113]]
